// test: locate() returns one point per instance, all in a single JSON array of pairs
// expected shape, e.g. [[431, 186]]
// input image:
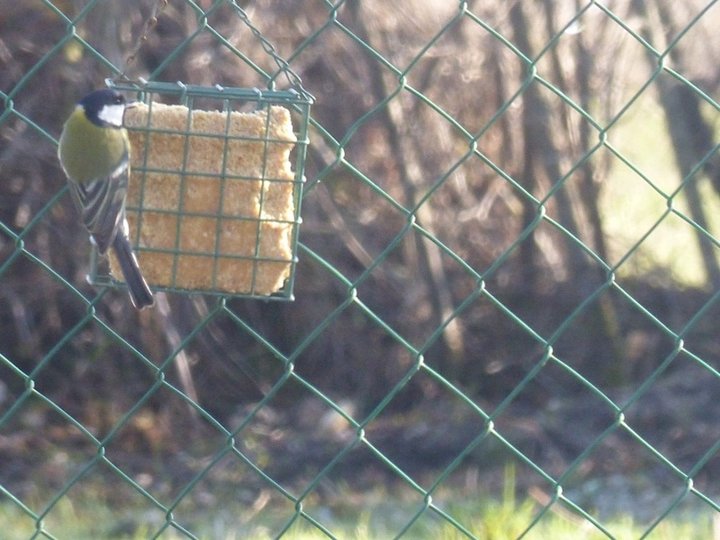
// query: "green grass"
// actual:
[[632, 205], [349, 514]]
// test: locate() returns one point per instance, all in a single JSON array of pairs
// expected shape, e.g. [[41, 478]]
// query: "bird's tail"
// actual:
[[140, 294]]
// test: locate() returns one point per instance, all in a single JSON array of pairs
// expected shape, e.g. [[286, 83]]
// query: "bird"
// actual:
[[94, 153]]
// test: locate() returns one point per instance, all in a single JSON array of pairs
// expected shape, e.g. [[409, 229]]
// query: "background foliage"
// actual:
[[507, 257]]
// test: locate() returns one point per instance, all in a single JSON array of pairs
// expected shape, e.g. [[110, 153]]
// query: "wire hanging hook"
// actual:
[[150, 24], [293, 78]]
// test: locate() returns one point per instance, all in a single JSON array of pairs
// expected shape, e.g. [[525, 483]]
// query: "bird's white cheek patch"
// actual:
[[112, 114]]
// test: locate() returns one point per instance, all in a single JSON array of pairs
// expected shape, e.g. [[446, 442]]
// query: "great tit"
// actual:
[[94, 153]]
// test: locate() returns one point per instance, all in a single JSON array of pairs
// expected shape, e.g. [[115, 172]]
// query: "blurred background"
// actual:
[[508, 275]]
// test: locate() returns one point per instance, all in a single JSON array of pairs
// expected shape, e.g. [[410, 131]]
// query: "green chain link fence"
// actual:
[[506, 290]]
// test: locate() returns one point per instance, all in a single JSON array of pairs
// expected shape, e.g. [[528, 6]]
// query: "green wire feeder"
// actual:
[[214, 195]]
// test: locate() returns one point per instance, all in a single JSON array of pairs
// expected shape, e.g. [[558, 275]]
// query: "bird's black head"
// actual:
[[104, 107]]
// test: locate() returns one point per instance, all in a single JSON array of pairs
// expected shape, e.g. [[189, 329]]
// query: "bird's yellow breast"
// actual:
[[87, 151]]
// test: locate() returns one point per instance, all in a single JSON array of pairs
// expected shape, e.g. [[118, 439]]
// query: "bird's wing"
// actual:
[[102, 204]]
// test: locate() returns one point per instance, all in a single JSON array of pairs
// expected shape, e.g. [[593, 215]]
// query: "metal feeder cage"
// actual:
[[215, 189]]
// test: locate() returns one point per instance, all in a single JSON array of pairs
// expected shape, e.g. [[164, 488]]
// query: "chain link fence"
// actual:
[[506, 290]]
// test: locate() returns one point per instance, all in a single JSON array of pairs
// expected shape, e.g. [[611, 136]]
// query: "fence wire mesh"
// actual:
[[507, 284]]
